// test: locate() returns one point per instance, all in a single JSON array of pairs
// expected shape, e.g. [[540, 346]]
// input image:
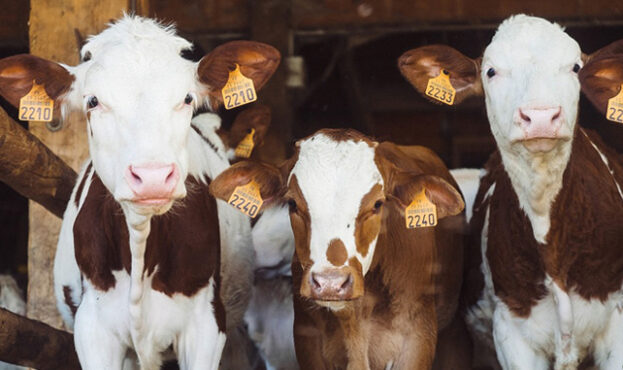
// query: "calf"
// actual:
[[133, 274], [368, 292], [547, 215]]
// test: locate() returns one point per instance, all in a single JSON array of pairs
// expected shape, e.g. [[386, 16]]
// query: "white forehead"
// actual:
[[137, 54], [334, 175], [523, 39]]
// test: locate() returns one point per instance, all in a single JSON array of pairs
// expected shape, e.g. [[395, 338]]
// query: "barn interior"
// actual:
[[339, 69]]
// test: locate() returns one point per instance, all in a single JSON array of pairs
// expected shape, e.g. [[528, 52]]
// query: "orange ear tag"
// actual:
[[247, 199], [421, 212], [245, 147], [36, 105], [615, 107], [238, 90], [440, 88]]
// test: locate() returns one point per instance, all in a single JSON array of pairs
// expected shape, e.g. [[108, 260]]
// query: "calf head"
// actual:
[[138, 95], [528, 76], [339, 185]]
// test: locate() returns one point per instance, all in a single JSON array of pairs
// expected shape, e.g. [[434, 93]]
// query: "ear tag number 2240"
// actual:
[[238, 90], [440, 88], [36, 105], [615, 107], [247, 199], [421, 212]]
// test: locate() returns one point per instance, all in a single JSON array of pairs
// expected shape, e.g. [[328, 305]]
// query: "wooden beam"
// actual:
[[52, 35], [31, 169], [32, 343]]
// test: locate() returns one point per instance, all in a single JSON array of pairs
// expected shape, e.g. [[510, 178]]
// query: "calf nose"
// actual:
[[331, 285], [153, 180], [539, 116]]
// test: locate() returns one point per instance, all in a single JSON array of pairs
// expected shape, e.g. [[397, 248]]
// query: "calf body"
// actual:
[[545, 280], [368, 293]]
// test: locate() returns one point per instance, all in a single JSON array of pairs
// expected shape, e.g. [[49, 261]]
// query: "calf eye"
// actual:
[[292, 205], [188, 99], [491, 72], [378, 205], [576, 68], [92, 102]]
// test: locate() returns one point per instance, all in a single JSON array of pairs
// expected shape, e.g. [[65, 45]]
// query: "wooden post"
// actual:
[[270, 23], [52, 35]]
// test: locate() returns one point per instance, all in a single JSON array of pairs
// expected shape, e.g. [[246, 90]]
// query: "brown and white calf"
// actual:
[[139, 254], [368, 292], [547, 287]]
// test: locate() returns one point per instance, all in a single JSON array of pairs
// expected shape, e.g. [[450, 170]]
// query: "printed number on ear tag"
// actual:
[[238, 90], [245, 147], [247, 199], [421, 212], [36, 105], [440, 88], [615, 107]]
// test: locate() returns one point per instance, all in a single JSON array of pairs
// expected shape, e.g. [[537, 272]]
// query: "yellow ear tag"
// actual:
[[36, 105], [238, 90], [247, 199], [245, 147], [615, 107], [421, 212], [440, 88]]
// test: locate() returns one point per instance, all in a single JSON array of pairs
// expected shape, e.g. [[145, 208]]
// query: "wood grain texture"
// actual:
[[52, 36], [31, 343]]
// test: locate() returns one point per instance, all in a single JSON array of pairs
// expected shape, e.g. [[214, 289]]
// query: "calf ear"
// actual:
[[405, 186], [256, 117], [18, 72], [266, 176], [421, 64], [257, 61], [602, 75]]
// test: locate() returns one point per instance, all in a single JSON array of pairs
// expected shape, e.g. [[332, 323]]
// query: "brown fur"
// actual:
[[183, 244], [81, 185], [336, 252], [582, 251]]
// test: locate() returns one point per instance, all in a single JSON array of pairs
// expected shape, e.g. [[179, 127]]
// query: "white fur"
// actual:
[[533, 60], [141, 82], [11, 299], [468, 180], [273, 239], [333, 177]]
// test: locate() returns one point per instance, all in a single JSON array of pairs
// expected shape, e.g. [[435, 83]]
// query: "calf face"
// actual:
[[339, 185], [138, 95]]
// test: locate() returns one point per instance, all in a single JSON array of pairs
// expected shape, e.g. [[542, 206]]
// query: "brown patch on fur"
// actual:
[[70, 302], [257, 117], [183, 244], [421, 64], [81, 185], [358, 278], [368, 223], [257, 61], [18, 72], [336, 252], [581, 252], [300, 223]]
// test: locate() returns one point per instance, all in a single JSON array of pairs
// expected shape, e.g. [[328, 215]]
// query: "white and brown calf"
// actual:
[[139, 255], [368, 292], [547, 289]]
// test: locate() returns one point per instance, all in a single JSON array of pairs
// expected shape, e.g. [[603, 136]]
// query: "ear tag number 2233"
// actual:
[[36, 105], [615, 107], [440, 88], [421, 212], [247, 199], [238, 90]]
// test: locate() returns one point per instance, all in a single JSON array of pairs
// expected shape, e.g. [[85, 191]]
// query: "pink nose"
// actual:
[[152, 181], [331, 285], [544, 117]]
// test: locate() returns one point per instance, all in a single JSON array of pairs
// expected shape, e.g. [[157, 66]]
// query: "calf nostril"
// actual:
[[556, 116], [348, 282], [170, 175], [315, 282], [524, 117], [136, 177]]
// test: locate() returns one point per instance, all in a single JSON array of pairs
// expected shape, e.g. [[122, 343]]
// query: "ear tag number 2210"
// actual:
[[36, 105], [247, 199], [238, 90], [615, 107], [440, 88], [421, 212]]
